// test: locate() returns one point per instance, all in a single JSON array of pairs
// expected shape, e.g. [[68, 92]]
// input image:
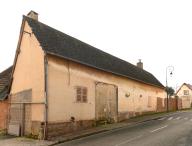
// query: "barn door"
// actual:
[[106, 102]]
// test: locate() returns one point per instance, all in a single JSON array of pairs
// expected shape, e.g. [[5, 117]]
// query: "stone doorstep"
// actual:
[[108, 127]]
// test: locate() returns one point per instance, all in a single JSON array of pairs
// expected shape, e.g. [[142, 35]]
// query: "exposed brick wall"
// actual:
[[3, 114], [62, 128]]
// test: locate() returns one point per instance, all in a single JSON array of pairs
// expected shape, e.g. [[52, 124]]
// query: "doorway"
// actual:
[[106, 102]]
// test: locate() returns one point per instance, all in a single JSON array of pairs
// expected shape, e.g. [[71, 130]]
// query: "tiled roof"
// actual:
[[62, 45], [5, 77], [189, 86]]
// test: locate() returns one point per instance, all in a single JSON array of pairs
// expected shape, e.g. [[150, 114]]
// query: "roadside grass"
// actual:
[[25, 139]]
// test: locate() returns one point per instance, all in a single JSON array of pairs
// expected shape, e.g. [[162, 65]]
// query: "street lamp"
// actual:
[[169, 69]]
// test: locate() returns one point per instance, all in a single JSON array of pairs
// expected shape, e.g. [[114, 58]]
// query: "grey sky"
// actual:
[[158, 32]]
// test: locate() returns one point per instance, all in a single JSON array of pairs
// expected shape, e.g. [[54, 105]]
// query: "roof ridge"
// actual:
[[5, 71]]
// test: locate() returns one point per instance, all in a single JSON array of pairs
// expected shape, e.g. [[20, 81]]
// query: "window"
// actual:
[[81, 94], [186, 92]]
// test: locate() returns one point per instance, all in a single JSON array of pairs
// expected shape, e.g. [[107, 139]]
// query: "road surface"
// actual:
[[173, 130]]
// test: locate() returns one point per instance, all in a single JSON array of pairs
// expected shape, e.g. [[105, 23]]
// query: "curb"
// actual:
[[111, 129], [80, 136], [142, 121]]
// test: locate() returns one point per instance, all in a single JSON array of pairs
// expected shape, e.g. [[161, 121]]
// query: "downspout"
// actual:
[[46, 95]]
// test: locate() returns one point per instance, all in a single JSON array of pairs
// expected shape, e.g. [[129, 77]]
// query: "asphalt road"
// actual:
[[173, 130]]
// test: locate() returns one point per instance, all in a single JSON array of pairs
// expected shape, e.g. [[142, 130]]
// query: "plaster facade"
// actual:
[[63, 77], [28, 75], [186, 98]]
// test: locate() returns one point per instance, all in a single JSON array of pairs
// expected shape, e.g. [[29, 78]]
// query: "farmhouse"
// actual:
[[61, 84], [185, 95]]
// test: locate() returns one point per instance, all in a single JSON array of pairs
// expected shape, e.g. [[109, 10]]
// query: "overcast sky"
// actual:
[[157, 31]]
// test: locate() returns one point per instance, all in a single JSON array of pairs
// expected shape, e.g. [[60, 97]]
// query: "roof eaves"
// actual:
[[60, 56], [3, 97], [189, 86], [17, 52]]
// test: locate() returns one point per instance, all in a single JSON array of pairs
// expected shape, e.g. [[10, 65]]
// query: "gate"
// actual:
[[20, 113]]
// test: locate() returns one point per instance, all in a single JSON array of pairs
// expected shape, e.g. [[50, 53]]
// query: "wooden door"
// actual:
[[106, 102]]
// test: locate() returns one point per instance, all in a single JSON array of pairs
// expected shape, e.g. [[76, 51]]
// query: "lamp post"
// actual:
[[170, 69]]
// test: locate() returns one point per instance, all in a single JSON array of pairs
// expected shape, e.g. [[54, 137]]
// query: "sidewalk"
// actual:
[[21, 141], [109, 127]]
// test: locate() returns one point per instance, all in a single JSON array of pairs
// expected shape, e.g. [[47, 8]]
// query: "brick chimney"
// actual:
[[140, 64], [33, 15]]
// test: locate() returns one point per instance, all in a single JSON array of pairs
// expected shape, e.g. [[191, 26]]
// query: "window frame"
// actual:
[[185, 92], [81, 94]]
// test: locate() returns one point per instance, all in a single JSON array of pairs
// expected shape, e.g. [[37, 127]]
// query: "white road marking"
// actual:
[[170, 118], [158, 129], [161, 119], [178, 118], [191, 120], [129, 140]]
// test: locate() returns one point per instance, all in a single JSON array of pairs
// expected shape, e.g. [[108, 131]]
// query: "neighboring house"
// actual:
[[185, 94], [61, 84], [5, 78]]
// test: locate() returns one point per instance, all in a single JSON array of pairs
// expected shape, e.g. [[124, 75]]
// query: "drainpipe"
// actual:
[[46, 97]]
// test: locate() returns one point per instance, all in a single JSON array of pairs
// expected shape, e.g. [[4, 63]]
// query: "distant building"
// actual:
[[61, 85], [5, 78], [185, 93]]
